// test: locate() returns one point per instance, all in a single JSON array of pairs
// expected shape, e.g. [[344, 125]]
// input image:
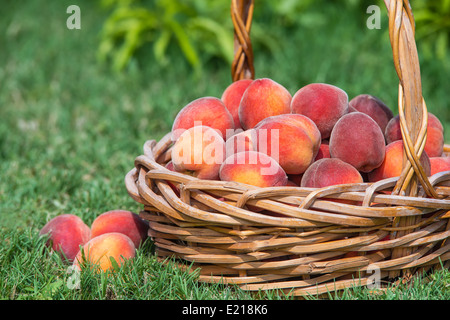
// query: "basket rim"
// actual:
[[300, 207]]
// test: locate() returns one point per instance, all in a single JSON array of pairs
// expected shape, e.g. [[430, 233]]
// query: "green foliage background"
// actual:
[[202, 30], [201, 34]]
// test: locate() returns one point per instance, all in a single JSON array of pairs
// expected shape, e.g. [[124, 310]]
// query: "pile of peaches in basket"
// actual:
[[259, 134]]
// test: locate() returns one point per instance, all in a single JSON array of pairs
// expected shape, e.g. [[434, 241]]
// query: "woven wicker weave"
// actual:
[[294, 238]]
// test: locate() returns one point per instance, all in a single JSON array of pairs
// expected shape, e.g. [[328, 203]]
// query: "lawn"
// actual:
[[71, 128]]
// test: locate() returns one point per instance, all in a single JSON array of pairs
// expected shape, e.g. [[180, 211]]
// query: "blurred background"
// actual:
[[76, 106]]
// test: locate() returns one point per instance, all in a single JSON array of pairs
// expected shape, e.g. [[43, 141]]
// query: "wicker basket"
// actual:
[[308, 245]]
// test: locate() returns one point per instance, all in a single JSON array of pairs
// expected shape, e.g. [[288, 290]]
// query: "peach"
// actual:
[[263, 98], [323, 103], [324, 151], [434, 146], [392, 131], [306, 123], [373, 107], [358, 140], [439, 164], [294, 143], [242, 141], [330, 171], [232, 96], [101, 249], [67, 232], [199, 151], [253, 168], [392, 164], [206, 111], [122, 221], [435, 122]]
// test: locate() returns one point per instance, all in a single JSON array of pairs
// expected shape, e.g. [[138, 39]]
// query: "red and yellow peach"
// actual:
[[242, 141], [292, 140], [263, 98], [392, 164], [199, 151], [253, 168], [102, 249], [205, 111], [232, 96], [122, 221]]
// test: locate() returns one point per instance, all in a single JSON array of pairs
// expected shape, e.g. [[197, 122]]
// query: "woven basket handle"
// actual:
[[241, 15], [411, 105]]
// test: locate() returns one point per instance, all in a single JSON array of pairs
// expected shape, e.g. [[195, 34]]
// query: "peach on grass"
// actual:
[[263, 98], [392, 164], [373, 107], [199, 151], [206, 111], [253, 168], [292, 140], [330, 171], [434, 146], [358, 140], [67, 232], [122, 221], [323, 103], [101, 249], [232, 96]]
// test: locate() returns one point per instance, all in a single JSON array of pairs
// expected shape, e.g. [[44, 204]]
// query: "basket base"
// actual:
[[303, 286], [289, 274]]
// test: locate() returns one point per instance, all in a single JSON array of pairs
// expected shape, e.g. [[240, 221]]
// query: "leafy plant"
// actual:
[[199, 30], [432, 26]]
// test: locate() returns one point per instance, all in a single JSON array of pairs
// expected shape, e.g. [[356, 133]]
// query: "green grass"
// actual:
[[70, 130], [30, 271]]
